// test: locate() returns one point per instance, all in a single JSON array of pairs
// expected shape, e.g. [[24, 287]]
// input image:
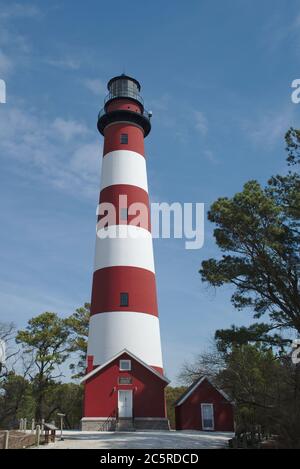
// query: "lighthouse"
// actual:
[[124, 382]]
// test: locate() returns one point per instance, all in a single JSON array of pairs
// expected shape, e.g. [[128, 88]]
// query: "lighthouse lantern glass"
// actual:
[[124, 87]]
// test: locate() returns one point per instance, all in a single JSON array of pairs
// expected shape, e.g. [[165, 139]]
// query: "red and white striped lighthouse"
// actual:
[[124, 379]]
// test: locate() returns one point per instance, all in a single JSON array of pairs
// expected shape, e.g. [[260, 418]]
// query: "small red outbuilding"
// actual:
[[204, 407]]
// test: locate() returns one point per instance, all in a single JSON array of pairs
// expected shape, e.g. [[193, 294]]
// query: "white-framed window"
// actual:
[[207, 416], [125, 365]]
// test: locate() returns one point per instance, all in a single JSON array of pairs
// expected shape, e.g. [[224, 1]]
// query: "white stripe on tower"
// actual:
[[137, 332], [124, 167], [124, 245]]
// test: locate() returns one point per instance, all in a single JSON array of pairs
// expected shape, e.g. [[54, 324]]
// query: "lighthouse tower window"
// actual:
[[124, 300], [124, 139]]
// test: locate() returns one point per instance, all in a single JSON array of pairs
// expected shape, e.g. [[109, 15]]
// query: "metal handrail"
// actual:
[[109, 424], [143, 113], [124, 94]]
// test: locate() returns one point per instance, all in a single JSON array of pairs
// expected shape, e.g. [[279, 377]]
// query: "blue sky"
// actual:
[[217, 77]]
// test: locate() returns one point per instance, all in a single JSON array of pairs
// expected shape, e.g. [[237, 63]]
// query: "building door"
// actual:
[[207, 415], [125, 403]]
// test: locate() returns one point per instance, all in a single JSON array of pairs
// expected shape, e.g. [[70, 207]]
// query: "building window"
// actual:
[[124, 214], [125, 379], [207, 413], [124, 138], [125, 365], [124, 300]]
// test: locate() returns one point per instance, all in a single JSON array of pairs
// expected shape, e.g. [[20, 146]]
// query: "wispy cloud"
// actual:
[[277, 31], [69, 129], [201, 123], [22, 301], [6, 64], [67, 63], [269, 127], [160, 104], [167, 116], [85, 160], [14, 44], [12, 40], [51, 150], [63, 152], [210, 156], [96, 86], [18, 10], [82, 173]]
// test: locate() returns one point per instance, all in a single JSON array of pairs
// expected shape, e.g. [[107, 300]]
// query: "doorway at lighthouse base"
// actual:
[[124, 394]]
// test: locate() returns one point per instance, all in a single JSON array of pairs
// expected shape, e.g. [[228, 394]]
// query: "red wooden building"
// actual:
[[204, 407], [124, 391]]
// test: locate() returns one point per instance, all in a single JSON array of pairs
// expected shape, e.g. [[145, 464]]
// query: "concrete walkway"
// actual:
[[142, 440]]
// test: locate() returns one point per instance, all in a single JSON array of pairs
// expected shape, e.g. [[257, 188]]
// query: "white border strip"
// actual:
[[131, 247]]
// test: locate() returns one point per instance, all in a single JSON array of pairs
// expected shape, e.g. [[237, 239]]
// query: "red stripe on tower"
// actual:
[[122, 196]]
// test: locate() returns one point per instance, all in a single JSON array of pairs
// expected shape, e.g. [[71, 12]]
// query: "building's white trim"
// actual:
[[100, 367], [124, 167], [195, 386], [124, 245]]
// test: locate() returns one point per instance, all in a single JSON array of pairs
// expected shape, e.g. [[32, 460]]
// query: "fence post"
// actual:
[[37, 435], [6, 439], [21, 425], [32, 425], [25, 424]]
